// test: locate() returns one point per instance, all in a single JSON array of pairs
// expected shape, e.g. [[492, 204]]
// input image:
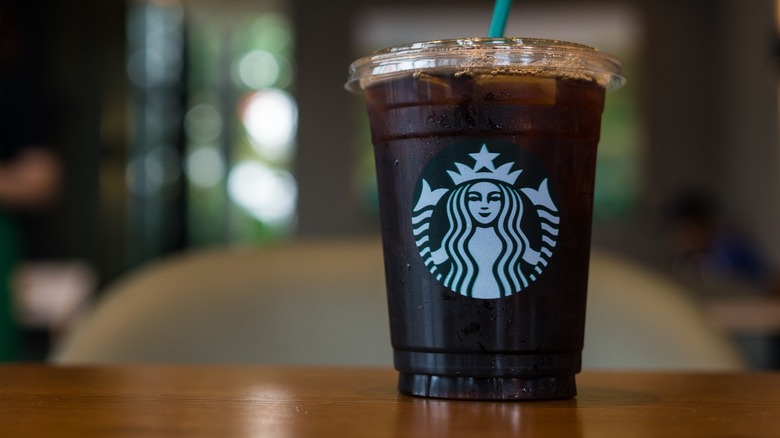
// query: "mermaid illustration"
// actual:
[[484, 252]]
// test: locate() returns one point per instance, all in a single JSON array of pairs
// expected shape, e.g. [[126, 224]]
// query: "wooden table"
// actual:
[[253, 401]]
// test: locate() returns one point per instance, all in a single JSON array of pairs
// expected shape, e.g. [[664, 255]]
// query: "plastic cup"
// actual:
[[485, 154]]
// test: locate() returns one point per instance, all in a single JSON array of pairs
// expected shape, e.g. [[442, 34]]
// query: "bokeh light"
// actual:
[[269, 195], [157, 55], [205, 167], [272, 32], [152, 173], [271, 119], [202, 123], [258, 69]]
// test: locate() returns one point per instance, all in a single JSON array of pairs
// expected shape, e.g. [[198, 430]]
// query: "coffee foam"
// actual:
[[540, 72], [485, 64], [554, 73]]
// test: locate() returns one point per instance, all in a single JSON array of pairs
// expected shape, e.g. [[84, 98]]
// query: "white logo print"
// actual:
[[473, 233]]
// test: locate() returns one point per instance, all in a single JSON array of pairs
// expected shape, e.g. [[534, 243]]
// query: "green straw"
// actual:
[[500, 14]]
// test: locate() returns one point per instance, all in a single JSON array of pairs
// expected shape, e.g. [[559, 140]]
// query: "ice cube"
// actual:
[[432, 88], [516, 88]]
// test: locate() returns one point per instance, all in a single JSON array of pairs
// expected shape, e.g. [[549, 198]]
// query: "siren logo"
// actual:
[[484, 219]]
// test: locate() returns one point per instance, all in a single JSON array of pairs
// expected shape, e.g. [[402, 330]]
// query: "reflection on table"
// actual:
[[237, 401]]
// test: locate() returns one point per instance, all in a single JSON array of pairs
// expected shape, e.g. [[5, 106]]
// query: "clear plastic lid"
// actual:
[[520, 55]]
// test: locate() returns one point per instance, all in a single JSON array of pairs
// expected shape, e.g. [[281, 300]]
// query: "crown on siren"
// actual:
[[484, 169]]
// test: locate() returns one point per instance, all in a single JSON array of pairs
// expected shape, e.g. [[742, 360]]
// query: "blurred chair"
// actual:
[[324, 303], [313, 302], [637, 318]]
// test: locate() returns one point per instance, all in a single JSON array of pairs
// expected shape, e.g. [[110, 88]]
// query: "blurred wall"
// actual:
[[326, 140], [78, 48], [710, 102], [88, 48], [708, 95]]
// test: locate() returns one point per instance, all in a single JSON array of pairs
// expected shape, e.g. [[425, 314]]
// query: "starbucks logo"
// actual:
[[484, 220]]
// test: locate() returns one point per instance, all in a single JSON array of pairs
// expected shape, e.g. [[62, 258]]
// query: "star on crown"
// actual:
[[484, 160]]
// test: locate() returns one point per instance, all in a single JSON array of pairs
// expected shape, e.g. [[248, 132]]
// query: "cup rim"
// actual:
[[540, 55]]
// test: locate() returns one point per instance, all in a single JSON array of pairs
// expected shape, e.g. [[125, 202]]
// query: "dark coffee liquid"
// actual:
[[523, 346]]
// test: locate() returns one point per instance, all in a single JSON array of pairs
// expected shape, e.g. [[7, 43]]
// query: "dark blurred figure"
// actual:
[[712, 250], [29, 171]]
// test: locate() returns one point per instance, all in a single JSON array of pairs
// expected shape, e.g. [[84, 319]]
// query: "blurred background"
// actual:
[[172, 125]]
